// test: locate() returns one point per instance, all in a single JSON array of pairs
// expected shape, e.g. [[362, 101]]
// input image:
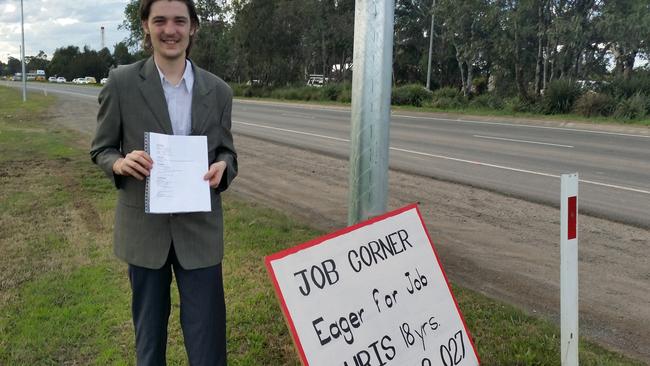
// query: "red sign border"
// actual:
[[284, 253]]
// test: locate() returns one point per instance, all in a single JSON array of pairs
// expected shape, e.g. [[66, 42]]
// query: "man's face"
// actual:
[[170, 28]]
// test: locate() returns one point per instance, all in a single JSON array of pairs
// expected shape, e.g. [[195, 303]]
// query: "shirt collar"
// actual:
[[188, 75]]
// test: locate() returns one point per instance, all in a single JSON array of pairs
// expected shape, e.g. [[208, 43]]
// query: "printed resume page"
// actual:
[[176, 183]]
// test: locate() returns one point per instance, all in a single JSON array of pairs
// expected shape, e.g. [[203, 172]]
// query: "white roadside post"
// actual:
[[569, 269]]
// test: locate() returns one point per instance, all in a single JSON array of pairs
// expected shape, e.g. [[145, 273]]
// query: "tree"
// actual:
[[132, 24], [468, 26], [625, 24], [62, 61], [121, 54], [104, 63], [212, 43], [13, 66], [38, 62], [269, 37]]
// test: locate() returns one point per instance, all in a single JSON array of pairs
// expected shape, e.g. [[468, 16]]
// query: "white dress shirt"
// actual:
[[179, 100]]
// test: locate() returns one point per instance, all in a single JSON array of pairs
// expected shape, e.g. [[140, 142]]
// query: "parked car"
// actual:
[[61, 79], [79, 81], [103, 81], [89, 80], [52, 79], [316, 80]]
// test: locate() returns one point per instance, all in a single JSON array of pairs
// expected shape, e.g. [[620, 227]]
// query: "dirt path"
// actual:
[[502, 247]]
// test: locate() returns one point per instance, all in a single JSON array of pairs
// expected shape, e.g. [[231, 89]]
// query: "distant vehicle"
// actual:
[[39, 75], [316, 80], [17, 77], [89, 80], [52, 79], [79, 81], [61, 79], [103, 81]]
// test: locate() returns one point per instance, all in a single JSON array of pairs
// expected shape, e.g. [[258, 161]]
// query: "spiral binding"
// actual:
[[147, 208]]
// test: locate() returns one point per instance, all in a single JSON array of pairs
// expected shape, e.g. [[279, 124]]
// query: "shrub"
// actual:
[[345, 96], [446, 92], [621, 88], [516, 104], [560, 96], [412, 94], [594, 104], [331, 91], [297, 93], [487, 101], [335, 91], [632, 108], [238, 89], [448, 103], [480, 85], [448, 98]]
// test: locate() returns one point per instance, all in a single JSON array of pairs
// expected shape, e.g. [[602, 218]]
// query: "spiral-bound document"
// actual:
[[175, 183]]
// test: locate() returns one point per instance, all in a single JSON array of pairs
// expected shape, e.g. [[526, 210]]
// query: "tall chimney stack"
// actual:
[[103, 39]]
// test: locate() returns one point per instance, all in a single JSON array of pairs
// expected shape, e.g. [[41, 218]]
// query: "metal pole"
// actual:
[[433, 4], [371, 92], [22, 51]]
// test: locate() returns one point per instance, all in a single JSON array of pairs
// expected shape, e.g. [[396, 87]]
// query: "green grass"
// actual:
[[64, 298]]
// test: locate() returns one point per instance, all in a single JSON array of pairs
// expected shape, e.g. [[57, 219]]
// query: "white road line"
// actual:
[[523, 141], [519, 170], [347, 110], [299, 115], [65, 92], [291, 131], [522, 125], [452, 159]]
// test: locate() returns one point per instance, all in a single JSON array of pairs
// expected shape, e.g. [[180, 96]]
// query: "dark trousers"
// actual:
[[202, 308]]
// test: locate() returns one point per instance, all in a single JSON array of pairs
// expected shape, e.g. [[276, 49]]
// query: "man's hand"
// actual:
[[215, 173], [137, 164]]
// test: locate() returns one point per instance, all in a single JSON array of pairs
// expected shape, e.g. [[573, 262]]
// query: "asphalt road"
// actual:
[[512, 157]]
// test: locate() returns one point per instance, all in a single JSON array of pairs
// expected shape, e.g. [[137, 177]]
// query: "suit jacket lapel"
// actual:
[[154, 96], [200, 101]]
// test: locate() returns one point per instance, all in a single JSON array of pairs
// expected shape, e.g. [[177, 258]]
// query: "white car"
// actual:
[[52, 79], [61, 79], [103, 81]]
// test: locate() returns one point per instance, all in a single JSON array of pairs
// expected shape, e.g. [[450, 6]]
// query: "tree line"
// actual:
[[510, 47], [71, 62]]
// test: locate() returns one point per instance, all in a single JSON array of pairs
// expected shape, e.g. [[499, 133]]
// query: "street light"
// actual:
[[22, 51], [433, 5]]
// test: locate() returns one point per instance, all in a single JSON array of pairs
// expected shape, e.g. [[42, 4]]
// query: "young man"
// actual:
[[168, 94]]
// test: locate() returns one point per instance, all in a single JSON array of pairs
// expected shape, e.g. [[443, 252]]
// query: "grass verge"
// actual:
[[64, 299]]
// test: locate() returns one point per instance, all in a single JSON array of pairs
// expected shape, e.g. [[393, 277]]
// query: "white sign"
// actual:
[[373, 294]]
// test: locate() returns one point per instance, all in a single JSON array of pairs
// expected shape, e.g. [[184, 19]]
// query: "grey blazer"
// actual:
[[131, 103]]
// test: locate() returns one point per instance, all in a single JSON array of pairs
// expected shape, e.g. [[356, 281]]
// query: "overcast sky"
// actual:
[[51, 24]]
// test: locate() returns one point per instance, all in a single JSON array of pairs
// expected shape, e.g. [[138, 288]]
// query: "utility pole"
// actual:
[[433, 5], [371, 92], [22, 51]]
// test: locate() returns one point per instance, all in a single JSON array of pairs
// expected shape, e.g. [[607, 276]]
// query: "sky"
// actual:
[[52, 24]]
